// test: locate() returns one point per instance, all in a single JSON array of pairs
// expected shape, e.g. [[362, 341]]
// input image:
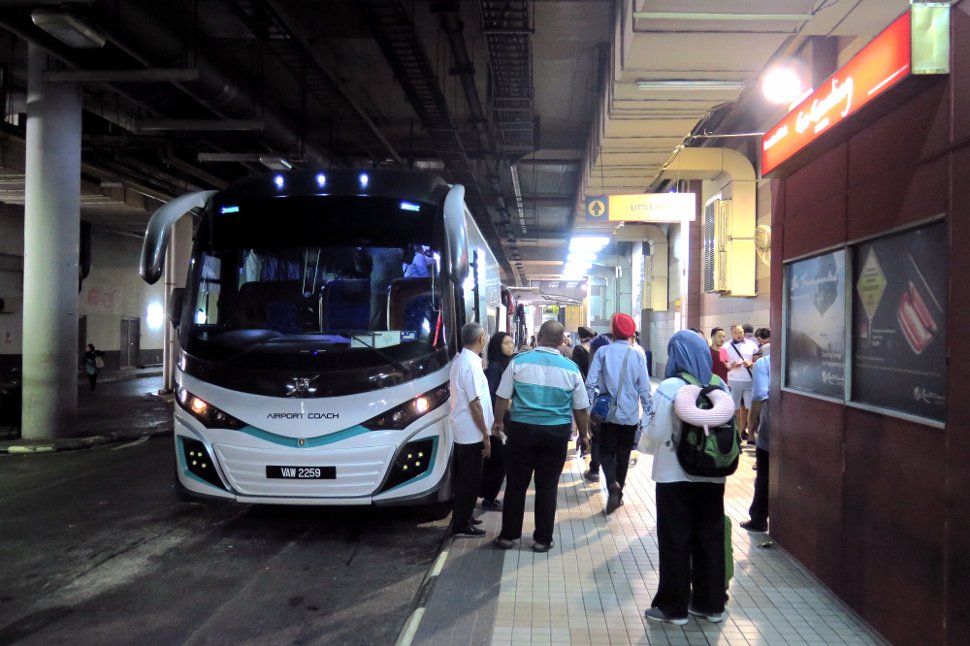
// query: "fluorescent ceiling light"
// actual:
[[67, 28], [591, 243], [275, 163], [680, 15], [689, 84]]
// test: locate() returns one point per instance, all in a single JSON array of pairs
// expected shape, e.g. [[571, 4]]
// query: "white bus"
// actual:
[[315, 333]]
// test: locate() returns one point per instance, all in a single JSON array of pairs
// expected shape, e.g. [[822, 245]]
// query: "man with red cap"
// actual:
[[619, 370]]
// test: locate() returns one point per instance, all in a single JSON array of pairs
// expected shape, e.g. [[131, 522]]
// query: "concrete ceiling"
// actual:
[[533, 103]]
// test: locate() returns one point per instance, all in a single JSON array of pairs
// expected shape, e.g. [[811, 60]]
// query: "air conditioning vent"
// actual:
[[717, 220]]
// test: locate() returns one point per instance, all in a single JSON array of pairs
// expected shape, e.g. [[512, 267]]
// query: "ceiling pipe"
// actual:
[[113, 116], [216, 90], [453, 27]]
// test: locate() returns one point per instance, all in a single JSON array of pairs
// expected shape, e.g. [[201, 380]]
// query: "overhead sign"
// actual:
[[642, 207], [597, 208], [882, 64]]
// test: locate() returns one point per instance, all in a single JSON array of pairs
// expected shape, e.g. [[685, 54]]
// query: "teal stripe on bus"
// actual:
[[309, 442]]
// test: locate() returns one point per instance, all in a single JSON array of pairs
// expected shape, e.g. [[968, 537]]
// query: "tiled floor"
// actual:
[[595, 584]]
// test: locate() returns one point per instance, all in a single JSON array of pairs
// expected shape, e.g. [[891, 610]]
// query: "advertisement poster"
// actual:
[[898, 322], [815, 351]]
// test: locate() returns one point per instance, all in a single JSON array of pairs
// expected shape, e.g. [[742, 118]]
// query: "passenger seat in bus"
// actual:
[[271, 305], [347, 304], [408, 303]]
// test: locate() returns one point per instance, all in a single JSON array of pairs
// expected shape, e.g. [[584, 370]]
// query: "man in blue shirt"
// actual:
[[759, 422], [546, 392], [621, 371]]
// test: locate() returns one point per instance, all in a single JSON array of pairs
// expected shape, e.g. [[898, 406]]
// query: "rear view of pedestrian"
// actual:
[[93, 364], [621, 371], [690, 509], [592, 474], [546, 392]]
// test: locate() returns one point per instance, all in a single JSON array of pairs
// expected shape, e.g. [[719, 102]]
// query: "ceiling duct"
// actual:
[[394, 31]]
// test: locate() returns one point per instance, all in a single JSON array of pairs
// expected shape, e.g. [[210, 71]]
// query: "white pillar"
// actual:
[[52, 210], [176, 270]]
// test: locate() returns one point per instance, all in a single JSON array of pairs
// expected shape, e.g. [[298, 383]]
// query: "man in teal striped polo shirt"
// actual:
[[546, 392]]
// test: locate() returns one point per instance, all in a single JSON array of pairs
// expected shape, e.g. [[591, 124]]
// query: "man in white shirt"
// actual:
[[739, 361], [470, 421]]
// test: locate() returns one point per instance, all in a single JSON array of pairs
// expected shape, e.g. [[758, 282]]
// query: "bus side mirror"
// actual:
[[175, 302], [456, 234]]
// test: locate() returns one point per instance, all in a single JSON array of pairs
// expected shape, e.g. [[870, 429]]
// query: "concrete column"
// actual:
[[176, 270], [52, 211]]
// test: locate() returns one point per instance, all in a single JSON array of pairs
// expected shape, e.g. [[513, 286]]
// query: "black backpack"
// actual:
[[713, 454]]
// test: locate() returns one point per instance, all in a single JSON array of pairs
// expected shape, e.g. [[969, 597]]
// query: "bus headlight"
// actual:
[[209, 415], [400, 417]]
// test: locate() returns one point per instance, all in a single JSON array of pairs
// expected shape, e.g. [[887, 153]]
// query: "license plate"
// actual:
[[302, 473]]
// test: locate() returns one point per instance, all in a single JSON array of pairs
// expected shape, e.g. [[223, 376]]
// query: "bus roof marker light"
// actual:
[[278, 180], [410, 206], [321, 180], [364, 179]]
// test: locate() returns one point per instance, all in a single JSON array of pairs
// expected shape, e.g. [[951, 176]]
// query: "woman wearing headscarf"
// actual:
[[690, 509], [499, 353]]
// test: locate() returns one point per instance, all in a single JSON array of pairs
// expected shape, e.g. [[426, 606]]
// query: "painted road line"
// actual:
[[140, 440], [424, 593]]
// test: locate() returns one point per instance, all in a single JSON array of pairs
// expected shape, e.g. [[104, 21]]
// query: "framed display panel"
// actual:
[[815, 320], [899, 322]]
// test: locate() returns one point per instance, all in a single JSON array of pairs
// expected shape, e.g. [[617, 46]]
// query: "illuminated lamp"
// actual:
[[421, 404], [781, 85]]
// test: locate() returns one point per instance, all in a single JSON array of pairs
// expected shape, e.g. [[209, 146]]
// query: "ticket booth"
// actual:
[[870, 290]]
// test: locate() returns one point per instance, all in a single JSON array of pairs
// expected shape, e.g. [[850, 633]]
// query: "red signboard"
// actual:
[[880, 65]]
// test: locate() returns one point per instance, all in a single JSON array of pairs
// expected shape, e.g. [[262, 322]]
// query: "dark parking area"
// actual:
[[97, 548]]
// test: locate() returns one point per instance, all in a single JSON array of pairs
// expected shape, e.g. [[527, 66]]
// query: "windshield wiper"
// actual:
[[250, 349], [383, 355]]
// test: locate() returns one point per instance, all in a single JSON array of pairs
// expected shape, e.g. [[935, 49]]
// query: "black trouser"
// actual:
[[759, 504], [690, 529], [467, 482], [616, 443], [494, 472], [594, 446], [93, 380], [533, 449]]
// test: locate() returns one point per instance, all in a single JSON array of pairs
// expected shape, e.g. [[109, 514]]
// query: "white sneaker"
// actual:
[[656, 614], [714, 619]]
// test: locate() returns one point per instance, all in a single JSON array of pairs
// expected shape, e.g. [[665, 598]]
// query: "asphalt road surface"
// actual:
[[95, 548]]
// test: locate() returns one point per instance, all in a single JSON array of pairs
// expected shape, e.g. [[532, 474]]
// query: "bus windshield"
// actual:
[[338, 283]]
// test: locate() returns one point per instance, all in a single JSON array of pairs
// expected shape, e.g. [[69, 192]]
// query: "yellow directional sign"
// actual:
[[872, 284], [641, 207], [597, 208], [653, 207]]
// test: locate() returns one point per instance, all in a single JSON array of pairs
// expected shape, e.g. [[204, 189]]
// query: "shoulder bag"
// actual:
[[604, 406]]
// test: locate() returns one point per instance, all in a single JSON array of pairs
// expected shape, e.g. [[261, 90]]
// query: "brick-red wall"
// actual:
[[878, 507]]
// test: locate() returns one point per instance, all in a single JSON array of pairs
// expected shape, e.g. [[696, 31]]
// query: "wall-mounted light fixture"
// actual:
[[67, 28]]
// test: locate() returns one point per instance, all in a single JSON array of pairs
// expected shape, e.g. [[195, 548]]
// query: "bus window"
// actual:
[[210, 288]]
